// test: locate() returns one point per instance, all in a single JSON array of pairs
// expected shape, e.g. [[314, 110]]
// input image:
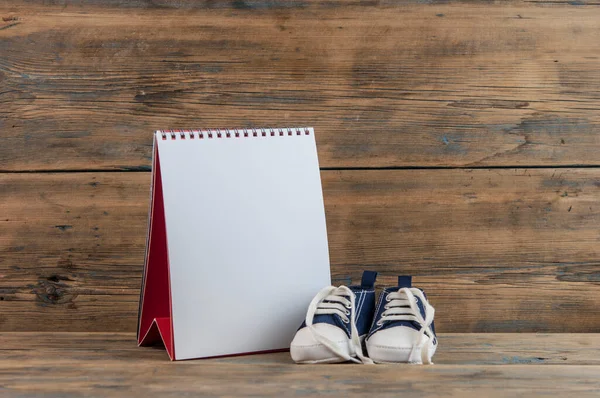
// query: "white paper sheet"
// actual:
[[247, 240]]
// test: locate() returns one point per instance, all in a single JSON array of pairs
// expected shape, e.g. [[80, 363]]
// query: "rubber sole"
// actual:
[[404, 355]]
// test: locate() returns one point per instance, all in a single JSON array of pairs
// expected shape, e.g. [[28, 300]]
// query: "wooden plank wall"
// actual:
[[458, 142]]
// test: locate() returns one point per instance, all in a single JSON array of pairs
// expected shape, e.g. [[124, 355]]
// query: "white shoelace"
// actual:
[[336, 301], [402, 306]]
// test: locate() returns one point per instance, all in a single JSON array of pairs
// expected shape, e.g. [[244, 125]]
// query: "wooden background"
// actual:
[[458, 141]]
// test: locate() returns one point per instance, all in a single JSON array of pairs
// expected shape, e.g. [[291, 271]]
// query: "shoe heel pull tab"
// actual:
[[368, 279], [404, 281]]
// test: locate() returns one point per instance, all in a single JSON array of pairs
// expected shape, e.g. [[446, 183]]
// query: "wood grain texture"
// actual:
[[455, 349], [496, 250], [405, 84], [73, 364]]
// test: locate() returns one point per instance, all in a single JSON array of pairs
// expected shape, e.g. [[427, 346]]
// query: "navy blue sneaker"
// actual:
[[403, 329], [337, 321]]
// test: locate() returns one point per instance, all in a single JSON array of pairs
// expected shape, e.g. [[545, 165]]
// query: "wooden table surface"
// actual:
[[466, 365]]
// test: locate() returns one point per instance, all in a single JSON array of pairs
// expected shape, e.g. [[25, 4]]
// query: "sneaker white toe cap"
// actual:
[[306, 349], [394, 345]]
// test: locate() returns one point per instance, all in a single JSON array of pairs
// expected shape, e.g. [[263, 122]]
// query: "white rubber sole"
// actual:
[[324, 360], [394, 355]]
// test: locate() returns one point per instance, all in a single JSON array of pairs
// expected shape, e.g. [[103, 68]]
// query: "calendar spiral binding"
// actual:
[[232, 133]]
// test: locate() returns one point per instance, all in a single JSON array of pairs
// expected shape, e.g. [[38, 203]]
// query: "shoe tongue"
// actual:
[[368, 279], [333, 319], [404, 281]]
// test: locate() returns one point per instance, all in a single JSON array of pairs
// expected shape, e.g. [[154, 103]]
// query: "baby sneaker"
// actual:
[[403, 329], [337, 320]]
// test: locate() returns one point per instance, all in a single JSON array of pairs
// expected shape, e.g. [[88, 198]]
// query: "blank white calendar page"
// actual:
[[247, 239]]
